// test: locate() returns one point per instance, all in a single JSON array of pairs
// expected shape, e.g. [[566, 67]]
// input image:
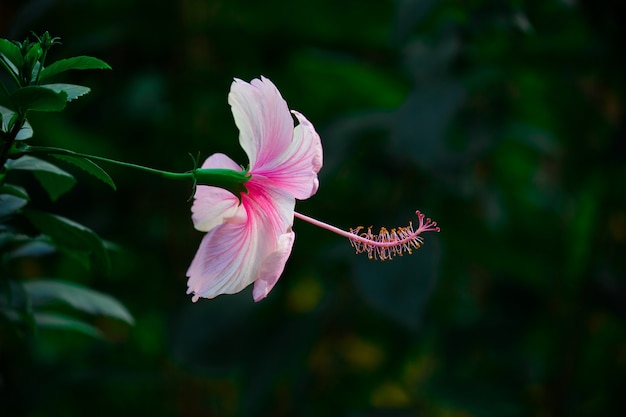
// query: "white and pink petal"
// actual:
[[295, 171], [213, 205], [272, 267], [263, 118], [226, 261]]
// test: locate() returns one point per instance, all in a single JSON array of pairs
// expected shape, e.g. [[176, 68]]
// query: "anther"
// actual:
[[387, 245]]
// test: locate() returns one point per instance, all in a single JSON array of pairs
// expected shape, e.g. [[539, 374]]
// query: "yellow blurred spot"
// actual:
[[418, 370], [361, 353], [390, 395], [304, 295]]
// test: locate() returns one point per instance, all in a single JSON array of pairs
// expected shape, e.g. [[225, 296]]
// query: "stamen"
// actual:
[[386, 244]]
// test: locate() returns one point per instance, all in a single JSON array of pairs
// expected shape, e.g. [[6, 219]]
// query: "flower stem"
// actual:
[[230, 180], [59, 151]]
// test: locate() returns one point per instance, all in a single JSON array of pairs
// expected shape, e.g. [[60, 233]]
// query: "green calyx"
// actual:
[[228, 179]]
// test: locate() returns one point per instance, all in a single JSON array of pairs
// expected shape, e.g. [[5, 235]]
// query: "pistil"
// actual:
[[385, 244]]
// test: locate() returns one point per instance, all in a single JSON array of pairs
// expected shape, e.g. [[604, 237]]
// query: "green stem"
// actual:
[[4, 88], [59, 151], [233, 181], [11, 73], [9, 140]]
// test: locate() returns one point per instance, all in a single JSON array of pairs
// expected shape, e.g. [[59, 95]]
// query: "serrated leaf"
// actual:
[[73, 91], [89, 166], [75, 63], [44, 292], [12, 54], [10, 204], [71, 236], [37, 98], [52, 178], [6, 120], [62, 322]]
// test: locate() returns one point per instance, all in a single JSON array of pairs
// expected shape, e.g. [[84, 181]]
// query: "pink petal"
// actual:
[[231, 256], [262, 116], [272, 266], [296, 169], [270, 205], [212, 205], [225, 262]]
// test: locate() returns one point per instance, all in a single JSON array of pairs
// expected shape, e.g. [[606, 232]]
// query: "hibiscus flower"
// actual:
[[249, 233], [249, 236]]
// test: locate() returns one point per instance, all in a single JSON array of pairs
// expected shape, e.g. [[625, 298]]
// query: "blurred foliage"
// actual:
[[502, 120]]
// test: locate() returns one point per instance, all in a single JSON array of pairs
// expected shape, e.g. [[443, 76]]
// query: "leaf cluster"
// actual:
[[27, 233]]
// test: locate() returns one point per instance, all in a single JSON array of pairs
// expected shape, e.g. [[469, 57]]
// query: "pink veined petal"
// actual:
[[296, 169], [230, 255], [262, 116], [226, 261], [273, 266], [213, 205], [273, 205]]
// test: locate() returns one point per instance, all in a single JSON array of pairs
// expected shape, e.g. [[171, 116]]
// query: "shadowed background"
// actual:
[[501, 120]]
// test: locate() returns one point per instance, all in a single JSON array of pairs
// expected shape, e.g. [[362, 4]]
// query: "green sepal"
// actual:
[[74, 239], [75, 63], [228, 179], [52, 178]]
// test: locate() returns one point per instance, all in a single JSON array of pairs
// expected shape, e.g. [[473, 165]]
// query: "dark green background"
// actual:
[[502, 120]]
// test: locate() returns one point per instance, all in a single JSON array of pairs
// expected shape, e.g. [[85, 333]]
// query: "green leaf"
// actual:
[[44, 292], [37, 98], [89, 166], [12, 54], [34, 53], [15, 304], [34, 248], [7, 118], [73, 237], [10, 204], [62, 322], [26, 132], [14, 190], [75, 63], [52, 178], [73, 91]]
